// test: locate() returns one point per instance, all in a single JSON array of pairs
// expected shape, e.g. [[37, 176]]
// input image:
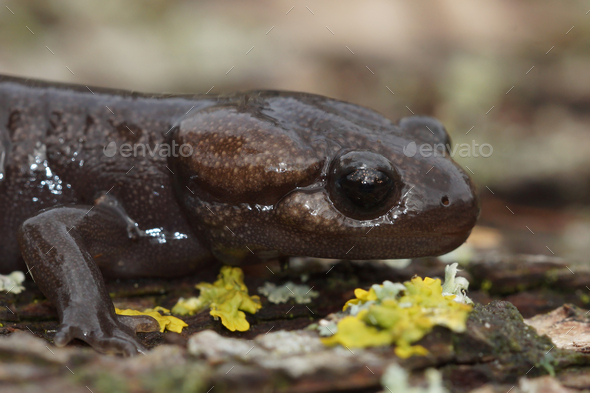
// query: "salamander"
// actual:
[[103, 184]]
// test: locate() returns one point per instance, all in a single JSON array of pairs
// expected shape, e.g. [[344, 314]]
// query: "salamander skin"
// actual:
[[102, 183]]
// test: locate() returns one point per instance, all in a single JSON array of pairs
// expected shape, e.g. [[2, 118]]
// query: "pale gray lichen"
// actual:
[[12, 282], [395, 380], [327, 328], [388, 290], [463, 255], [302, 294], [284, 343], [397, 263], [295, 353], [454, 285], [218, 349]]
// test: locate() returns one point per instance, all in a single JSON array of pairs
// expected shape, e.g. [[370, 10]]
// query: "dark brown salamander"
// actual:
[[97, 182]]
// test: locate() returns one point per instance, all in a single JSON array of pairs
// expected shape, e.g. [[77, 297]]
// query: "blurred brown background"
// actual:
[[515, 75]]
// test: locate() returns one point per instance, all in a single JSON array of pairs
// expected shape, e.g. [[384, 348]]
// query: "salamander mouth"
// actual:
[[463, 233]]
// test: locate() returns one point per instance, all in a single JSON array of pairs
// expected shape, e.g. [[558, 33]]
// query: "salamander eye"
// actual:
[[363, 185]]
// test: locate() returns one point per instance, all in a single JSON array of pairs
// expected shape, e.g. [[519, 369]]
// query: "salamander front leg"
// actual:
[[57, 246]]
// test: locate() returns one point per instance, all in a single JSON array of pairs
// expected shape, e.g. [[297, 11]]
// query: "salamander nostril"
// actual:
[[445, 201]]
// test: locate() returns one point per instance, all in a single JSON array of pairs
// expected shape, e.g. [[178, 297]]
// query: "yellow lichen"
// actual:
[[166, 322], [361, 297], [353, 332], [400, 315], [227, 298]]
